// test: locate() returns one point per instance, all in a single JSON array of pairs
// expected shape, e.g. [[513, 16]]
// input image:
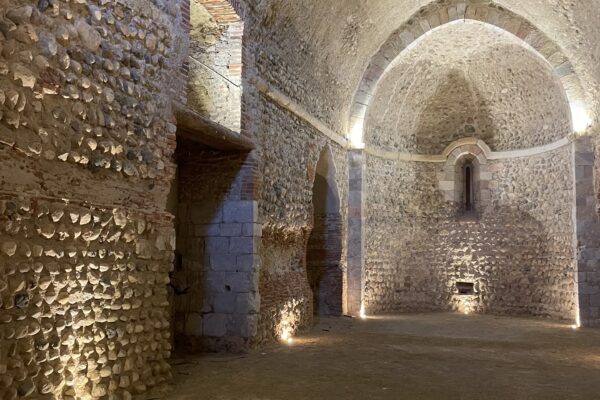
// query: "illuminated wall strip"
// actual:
[[285, 102], [490, 155]]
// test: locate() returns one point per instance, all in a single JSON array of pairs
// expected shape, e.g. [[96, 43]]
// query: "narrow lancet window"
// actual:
[[468, 195]]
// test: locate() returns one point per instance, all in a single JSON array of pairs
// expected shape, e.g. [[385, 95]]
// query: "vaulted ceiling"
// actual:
[[325, 47]]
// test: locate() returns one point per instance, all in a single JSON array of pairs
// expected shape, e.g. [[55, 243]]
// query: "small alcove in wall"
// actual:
[[324, 247], [467, 188], [465, 180]]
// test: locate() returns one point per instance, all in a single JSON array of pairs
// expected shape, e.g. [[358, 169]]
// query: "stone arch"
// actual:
[[214, 67], [324, 247], [450, 182], [438, 14]]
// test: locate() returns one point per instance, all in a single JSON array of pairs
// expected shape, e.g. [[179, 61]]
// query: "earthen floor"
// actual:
[[428, 356]]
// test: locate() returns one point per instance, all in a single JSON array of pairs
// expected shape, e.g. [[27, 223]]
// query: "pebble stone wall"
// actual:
[[495, 90], [86, 138], [518, 254], [290, 153]]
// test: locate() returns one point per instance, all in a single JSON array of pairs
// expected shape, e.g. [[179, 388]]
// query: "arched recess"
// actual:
[[439, 14], [215, 64], [452, 182], [324, 248]]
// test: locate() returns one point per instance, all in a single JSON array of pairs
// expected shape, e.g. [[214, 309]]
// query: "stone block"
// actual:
[[240, 211], [215, 282], [586, 289], [242, 245], [240, 282], [355, 199], [217, 245], [247, 303], [215, 325], [231, 229], [245, 325], [224, 303], [595, 300], [223, 262], [248, 262], [252, 230], [446, 185]]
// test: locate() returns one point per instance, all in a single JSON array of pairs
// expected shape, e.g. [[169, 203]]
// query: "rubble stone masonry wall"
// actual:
[[86, 139], [518, 255]]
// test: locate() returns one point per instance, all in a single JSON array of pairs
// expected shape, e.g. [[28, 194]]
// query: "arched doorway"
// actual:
[[324, 248]]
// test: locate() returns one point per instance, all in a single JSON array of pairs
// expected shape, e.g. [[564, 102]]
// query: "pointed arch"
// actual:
[[437, 15], [324, 247]]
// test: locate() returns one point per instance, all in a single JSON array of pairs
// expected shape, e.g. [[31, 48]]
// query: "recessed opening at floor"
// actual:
[[465, 288]]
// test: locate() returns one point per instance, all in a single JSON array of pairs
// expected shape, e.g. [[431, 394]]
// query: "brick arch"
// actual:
[[224, 11], [438, 14]]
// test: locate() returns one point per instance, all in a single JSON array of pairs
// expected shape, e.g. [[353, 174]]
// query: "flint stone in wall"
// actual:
[[20, 15], [9, 248], [90, 38]]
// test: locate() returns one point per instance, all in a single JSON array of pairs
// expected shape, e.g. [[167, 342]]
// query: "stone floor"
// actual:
[[432, 356]]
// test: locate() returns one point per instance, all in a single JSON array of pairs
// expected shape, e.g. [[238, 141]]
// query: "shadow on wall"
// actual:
[[456, 110], [287, 251], [205, 280], [515, 266], [324, 248]]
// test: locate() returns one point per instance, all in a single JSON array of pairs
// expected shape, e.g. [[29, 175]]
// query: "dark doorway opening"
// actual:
[[324, 248]]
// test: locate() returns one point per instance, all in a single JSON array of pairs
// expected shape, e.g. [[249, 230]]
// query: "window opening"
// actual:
[[468, 195]]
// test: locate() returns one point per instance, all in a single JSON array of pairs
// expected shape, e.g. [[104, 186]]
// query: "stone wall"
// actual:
[[86, 138], [215, 285], [84, 299], [587, 233], [518, 255], [215, 66], [494, 89], [289, 152]]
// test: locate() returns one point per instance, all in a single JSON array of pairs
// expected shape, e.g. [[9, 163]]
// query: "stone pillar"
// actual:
[[218, 238], [587, 233], [356, 261], [233, 301]]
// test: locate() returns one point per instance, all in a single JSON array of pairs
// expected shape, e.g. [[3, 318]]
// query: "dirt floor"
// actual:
[[429, 356]]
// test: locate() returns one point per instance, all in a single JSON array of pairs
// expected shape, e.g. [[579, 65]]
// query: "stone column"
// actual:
[[356, 261], [233, 301], [587, 233]]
